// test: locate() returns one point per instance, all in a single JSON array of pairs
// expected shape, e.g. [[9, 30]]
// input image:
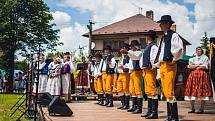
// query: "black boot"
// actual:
[[107, 96], [168, 112], [134, 105], [110, 100], [122, 98], [154, 113], [99, 99], [174, 111], [127, 101], [149, 108], [139, 106], [102, 99]]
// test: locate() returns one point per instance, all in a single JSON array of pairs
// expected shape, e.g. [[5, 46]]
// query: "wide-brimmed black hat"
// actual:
[[135, 43], [166, 18], [212, 39], [152, 34], [107, 47], [124, 45]]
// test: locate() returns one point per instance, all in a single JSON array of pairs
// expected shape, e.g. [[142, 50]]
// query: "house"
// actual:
[[126, 30]]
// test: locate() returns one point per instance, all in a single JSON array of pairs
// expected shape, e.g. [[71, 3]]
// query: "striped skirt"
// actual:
[[43, 79], [54, 86], [198, 86]]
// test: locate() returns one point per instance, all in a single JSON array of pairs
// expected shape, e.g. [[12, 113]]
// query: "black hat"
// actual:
[[66, 53], [125, 45], [107, 47], [98, 55], [134, 43], [166, 18], [152, 34], [212, 39]]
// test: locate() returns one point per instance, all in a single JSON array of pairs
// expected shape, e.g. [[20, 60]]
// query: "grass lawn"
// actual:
[[6, 102]]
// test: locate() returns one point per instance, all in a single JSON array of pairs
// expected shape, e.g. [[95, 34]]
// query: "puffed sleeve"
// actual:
[[176, 47]]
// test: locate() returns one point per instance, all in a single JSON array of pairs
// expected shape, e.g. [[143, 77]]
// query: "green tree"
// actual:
[[205, 44], [23, 25]]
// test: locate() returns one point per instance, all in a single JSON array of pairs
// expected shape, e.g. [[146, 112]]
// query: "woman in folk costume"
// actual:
[[43, 75], [97, 75], [123, 80], [108, 65], [212, 67], [170, 50], [150, 74], [198, 85], [135, 87], [66, 78], [54, 81]]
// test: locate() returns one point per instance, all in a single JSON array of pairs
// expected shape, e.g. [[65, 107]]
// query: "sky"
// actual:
[[193, 17]]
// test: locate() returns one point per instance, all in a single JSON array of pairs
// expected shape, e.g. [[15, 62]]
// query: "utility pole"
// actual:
[[90, 27]]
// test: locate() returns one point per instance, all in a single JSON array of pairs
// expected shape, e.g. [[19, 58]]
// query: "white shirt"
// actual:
[[111, 65], [176, 48], [200, 60], [96, 70], [134, 55], [121, 64], [153, 54]]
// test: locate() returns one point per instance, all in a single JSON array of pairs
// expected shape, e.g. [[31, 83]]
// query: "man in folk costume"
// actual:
[[170, 50], [66, 78], [150, 74], [43, 75], [135, 87], [108, 65], [97, 75], [123, 80], [212, 58]]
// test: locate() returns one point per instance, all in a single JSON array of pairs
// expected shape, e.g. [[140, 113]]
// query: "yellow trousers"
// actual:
[[115, 77], [135, 84], [98, 85], [149, 76], [107, 82], [167, 76], [123, 83]]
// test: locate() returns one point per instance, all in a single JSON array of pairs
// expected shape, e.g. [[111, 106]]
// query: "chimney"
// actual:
[[173, 27], [150, 14]]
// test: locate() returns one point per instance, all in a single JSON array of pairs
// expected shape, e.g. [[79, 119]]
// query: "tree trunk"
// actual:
[[10, 68]]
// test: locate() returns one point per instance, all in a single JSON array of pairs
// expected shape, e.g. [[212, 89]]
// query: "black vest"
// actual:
[[136, 65], [126, 60], [167, 48], [146, 56], [108, 69]]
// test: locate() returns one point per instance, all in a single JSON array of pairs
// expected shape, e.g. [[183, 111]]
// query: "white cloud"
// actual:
[[61, 19], [72, 37], [108, 11]]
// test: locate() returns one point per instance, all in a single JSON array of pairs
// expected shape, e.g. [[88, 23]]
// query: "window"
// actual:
[[115, 44], [143, 43]]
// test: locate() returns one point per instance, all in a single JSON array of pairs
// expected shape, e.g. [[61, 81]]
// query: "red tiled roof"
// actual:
[[133, 24]]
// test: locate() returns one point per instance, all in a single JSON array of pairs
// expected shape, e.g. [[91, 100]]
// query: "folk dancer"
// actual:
[[149, 75], [43, 75], [66, 78], [170, 50], [135, 87], [198, 85], [124, 76], [108, 65], [54, 81], [96, 69], [212, 67]]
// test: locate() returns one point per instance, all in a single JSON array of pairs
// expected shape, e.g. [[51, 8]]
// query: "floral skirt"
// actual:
[[198, 86]]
